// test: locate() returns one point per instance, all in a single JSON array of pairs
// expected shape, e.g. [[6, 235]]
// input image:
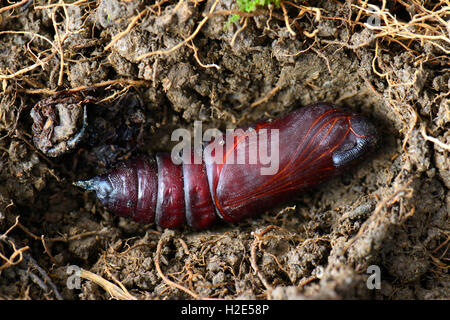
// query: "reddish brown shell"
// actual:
[[314, 144]]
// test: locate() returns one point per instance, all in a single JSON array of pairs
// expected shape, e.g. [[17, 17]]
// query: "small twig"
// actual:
[[61, 4], [274, 257], [182, 43], [161, 274], [311, 34], [286, 19], [117, 292], [370, 85], [127, 30], [111, 82], [193, 47], [18, 134], [60, 49], [12, 6], [257, 243], [265, 98], [388, 201], [47, 251], [305, 281], [439, 247], [327, 62], [129, 82], [240, 13], [17, 253], [44, 275], [185, 247], [20, 255], [411, 128], [381, 75], [29, 68], [432, 139], [10, 228], [255, 267], [239, 31], [301, 51], [64, 238]]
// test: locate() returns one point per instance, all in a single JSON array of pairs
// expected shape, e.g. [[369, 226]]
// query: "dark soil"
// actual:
[[391, 211]]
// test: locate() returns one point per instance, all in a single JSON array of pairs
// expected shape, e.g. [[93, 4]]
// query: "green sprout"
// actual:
[[249, 6]]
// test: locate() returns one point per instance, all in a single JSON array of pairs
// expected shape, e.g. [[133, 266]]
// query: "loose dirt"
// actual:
[[156, 66]]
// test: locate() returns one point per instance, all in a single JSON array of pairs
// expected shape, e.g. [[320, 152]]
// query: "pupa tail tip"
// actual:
[[85, 184]]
